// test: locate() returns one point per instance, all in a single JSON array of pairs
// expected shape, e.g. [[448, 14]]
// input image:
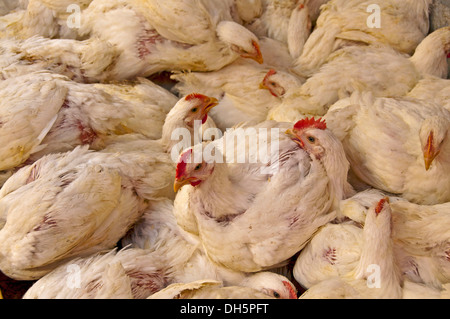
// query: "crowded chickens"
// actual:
[[224, 149]]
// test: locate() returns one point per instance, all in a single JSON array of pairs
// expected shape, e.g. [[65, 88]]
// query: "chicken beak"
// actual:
[[294, 137], [257, 56], [430, 152], [262, 86], [212, 101], [179, 183]]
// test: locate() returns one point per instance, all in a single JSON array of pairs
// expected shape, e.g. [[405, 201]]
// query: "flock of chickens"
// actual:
[[355, 202]]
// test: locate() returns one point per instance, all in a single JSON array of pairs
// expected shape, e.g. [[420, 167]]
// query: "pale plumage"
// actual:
[[241, 100], [129, 273], [376, 274], [432, 88], [72, 114], [397, 145], [361, 68], [118, 181], [73, 205], [158, 232], [82, 61], [152, 37], [423, 241], [45, 18], [246, 243], [157, 255], [418, 233], [402, 26], [29, 108], [208, 289]]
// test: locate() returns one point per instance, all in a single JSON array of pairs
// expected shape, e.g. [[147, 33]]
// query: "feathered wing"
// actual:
[[51, 221], [29, 108], [83, 61], [187, 21]]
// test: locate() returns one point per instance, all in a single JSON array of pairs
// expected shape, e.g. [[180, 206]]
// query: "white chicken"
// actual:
[[377, 274], [410, 137], [360, 68], [208, 289], [158, 232], [423, 242], [396, 23], [152, 36], [78, 203], [82, 61], [46, 18], [241, 99], [432, 88], [156, 255], [71, 114], [418, 233], [232, 206], [114, 182]]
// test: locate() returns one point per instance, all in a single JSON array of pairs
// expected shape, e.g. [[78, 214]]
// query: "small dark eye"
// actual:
[[272, 83], [311, 139], [276, 294], [194, 110], [198, 167]]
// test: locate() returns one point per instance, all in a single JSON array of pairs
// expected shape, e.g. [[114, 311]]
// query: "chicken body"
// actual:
[[71, 114], [399, 24], [377, 274], [250, 244], [153, 37], [403, 127]]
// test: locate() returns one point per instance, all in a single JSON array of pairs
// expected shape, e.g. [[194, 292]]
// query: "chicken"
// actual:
[[129, 273], [71, 114], [233, 199], [207, 289], [8, 6], [118, 181], [423, 242], [360, 68], [240, 98], [82, 61], [156, 255], [364, 22], [158, 232], [29, 108], [432, 88], [153, 37], [49, 19], [410, 136], [377, 274], [420, 245], [64, 193]]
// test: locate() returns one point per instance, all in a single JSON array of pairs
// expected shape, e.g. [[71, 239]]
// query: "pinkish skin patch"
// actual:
[[330, 255], [146, 41], [87, 134]]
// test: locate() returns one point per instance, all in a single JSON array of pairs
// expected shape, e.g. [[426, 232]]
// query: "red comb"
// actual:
[[310, 123], [269, 73], [195, 96], [380, 205], [182, 161], [292, 292]]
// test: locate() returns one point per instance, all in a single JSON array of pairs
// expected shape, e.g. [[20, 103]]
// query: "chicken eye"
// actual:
[[194, 110], [276, 294], [311, 139], [198, 167]]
